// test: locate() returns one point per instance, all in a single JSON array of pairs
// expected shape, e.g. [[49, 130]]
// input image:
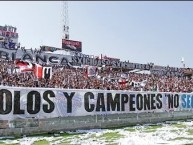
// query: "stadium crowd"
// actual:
[[106, 79]]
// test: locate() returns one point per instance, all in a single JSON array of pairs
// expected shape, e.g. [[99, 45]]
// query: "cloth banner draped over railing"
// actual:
[[42, 103]]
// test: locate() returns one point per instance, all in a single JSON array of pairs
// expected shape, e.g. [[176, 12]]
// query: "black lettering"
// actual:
[[107, 62], [118, 64], [95, 62], [17, 109], [27, 56], [170, 101], [8, 101], [64, 61], [127, 65], [113, 63], [103, 62], [84, 60], [48, 108], [147, 102], [159, 102], [31, 108], [80, 60], [42, 58], [100, 102], [153, 102], [99, 62], [113, 103], [122, 65], [124, 100], [4, 55], [13, 56], [147, 67], [69, 101], [176, 100], [139, 102], [91, 61], [132, 102], [53, 59], [87, 96], [74, 59]]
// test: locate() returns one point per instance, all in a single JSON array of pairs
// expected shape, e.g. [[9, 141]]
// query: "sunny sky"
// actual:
[[149, 31]]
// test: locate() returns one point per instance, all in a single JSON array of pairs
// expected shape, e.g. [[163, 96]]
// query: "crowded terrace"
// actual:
[[106, 78]]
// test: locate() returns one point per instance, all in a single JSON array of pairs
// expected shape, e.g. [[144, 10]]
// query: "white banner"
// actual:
[[50, 102], [91, 71]]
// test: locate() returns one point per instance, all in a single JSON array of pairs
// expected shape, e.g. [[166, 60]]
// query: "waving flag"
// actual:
[[139, 84], [123, 81], [38, 70], [24, 66], [91, 71], [42, 72]]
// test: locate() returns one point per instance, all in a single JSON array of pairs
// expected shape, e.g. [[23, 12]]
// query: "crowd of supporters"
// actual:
[[106, 79]]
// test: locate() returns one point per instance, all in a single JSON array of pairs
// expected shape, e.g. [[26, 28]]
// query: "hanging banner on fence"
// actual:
[[167, 71], [64, 60], [49, 102], [43, 58]]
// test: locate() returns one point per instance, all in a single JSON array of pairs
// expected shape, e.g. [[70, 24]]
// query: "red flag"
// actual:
[[38, 71], [123, 81], [24, 66]]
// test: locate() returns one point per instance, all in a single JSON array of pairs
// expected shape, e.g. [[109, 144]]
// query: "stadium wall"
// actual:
[[25, 111]]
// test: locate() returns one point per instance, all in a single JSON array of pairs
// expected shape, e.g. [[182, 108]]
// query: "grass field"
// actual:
[[179, 133]]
